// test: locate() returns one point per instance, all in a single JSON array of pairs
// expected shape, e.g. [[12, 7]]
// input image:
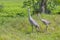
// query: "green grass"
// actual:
[[19, 28], [14, 24]]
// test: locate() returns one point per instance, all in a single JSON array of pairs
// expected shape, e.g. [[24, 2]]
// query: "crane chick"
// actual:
[[46, 22]]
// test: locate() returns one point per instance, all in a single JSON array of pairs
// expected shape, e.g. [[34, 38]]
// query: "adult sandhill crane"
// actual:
[[32, 21], [46, 22]]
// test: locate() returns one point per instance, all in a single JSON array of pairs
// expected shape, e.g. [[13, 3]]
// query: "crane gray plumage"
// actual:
[[46, 22], [32, 21]]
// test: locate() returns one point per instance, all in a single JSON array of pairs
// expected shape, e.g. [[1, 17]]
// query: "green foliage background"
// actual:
[[16, 7], [12, 8]]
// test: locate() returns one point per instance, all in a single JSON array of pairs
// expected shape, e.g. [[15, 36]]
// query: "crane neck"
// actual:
[[29, 12], [39, 16]]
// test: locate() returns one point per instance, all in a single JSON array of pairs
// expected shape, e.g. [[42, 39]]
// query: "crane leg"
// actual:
[[46, 27], [32, 28]]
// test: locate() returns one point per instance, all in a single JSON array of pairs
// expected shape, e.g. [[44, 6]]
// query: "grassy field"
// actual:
[[19, 28], [12, 7], [15, 26]]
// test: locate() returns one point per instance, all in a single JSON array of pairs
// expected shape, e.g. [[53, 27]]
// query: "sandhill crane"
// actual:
[[46, 22], [32, 21]]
